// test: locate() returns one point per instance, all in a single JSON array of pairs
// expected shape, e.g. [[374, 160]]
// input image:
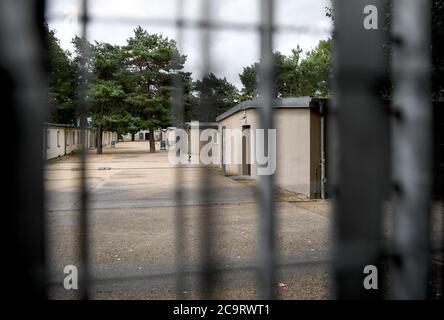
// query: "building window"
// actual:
[[73, 137], [58, 139]]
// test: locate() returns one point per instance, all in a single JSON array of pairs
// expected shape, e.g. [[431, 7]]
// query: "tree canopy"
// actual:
[[213, 96], [132, 86], [61, 80], [295, 75], [437, 48]]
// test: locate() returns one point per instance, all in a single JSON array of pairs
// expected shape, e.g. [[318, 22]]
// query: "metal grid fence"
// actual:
[[362, 155]]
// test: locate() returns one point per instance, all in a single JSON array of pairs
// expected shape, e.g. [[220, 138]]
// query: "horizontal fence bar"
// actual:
[[295, 264], [196, 24], [55, 281]]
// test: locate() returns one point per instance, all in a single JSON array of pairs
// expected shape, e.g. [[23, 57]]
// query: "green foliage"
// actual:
[[61, 78], [249, 78], [107, 94], [295, 76], [437, 48], [107, 97], [316, 70], [122, 124], [130, 85], [150, 61], [183, 91], [288, 73], [213, 96]]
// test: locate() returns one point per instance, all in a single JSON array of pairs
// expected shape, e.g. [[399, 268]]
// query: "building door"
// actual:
[[246, 161]]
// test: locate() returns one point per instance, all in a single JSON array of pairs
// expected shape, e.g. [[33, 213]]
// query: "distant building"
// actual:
[[298, 143], [194, 149], [302, 138], [143, 135], [62, 139]]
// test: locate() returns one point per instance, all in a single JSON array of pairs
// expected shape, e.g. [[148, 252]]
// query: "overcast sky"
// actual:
[[230, 50]]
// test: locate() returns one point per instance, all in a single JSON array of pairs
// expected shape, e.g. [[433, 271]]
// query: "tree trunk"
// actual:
[[99, 140], [133, 136], [152, 142]]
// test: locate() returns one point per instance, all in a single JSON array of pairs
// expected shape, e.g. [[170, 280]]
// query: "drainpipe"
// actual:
[[323, 178]]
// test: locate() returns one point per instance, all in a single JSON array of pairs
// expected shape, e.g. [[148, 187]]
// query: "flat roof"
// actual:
[[61, 125], [291, 102], [201, 124]]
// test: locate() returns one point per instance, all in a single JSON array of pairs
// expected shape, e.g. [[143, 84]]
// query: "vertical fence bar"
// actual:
[[359, 126], [83, 112], [266, 188], [23, 101], [206, 185], [412, 147], [177, 106]]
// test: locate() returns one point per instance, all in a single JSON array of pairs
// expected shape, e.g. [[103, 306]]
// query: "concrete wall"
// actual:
[[293, 149], [107, 137], [55, 142], [297, 149], [61, 140], [237, 121]]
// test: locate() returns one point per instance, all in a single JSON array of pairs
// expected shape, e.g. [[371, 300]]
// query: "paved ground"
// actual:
[[132, 217], [133, 229]]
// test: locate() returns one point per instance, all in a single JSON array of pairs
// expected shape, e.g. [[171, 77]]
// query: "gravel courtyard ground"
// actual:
[[132, 210]]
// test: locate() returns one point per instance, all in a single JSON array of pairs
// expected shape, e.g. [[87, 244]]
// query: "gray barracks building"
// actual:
[[302, 143]]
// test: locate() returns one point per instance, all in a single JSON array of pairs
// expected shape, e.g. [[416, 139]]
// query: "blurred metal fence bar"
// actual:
[[360, 144], [206, 110], [266, 189], [22, 80], [197, 24], [177, 107], [412, 147], [84, 245]]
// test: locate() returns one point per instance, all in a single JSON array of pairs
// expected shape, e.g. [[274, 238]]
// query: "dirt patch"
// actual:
[[289, 196], [280, 194]]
